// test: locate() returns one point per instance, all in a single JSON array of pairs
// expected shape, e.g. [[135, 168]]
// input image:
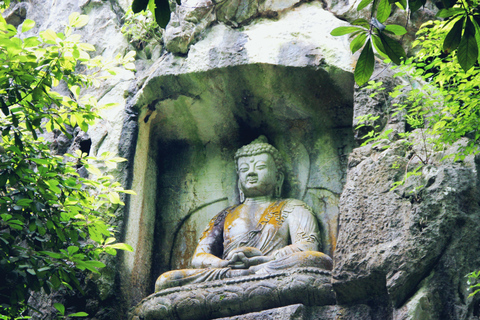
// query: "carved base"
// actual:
[[292, 312], [226, 298]]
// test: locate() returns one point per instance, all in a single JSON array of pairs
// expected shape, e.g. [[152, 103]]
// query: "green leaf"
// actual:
[[139, 5], [4, 107], [363, 4], [392, 48], [468, 48], [96, 264], [54, 255], [340, 31], [49, 35], [27, 25], [55, 281], [24, 202], [358, 42], [452, 40], [40, 161], [377, 43], [18, 141], [77, 20], [402, 4], [365, 64], [78, 314], [122, 246], [5, 216], [73, 17], [416, 4], [383, 10], [3, 179], [114, 198], [361, 22], [60, 307], [395, 29], [52, 185], [93, 170], [86, 47], [475, 20], [446, 13], [72, 249]]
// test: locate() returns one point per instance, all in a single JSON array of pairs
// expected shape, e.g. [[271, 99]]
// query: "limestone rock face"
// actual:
[[189, 23], [414, 245], [298, 37]]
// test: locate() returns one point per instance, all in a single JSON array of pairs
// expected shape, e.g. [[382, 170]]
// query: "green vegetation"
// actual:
[[53, 222], [141, 29], [440, 105], [160, 9], [440, 97], [461, 36]]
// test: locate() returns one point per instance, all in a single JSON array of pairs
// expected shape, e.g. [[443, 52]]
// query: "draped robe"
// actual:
[[287, 230]]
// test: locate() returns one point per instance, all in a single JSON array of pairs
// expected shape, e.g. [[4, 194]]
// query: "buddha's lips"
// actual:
[[252, 179]]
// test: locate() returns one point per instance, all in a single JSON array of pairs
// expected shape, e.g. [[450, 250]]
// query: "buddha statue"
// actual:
[[263, 234]]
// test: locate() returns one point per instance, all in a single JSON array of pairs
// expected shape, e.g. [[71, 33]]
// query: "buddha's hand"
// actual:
[[245, 257]]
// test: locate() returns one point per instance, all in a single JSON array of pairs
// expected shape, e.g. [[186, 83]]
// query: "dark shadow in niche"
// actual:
[[171, 169]]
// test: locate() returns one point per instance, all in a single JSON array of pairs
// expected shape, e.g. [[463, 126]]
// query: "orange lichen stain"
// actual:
[[232, 217]]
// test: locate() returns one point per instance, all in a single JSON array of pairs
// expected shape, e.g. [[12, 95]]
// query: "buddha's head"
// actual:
[[259, 169]]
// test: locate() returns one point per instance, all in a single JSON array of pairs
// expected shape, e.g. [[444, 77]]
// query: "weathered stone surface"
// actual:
[[389, 241], [309, 286], [194, 16], [293, 312], [300, 36], [379, 103]]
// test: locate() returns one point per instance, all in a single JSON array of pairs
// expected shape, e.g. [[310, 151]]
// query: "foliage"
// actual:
[[462, 20], [140, 29], [446, 105], [440, 102], [4, 4], [53, 222], [160, 9], [440, 97], [473, 282]]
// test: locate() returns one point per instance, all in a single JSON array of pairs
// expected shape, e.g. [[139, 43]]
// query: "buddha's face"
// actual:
[[257, 175]]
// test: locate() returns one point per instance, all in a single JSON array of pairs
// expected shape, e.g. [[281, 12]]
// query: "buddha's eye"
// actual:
[[260, 166], [243, 169]]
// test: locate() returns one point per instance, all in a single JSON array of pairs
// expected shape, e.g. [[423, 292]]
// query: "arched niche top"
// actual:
[[190, 126], [211, 106]]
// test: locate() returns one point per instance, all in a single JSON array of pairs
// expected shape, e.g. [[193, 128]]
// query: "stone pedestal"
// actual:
[[275, 293]]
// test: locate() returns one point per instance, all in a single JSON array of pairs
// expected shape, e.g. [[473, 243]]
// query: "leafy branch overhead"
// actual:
[[462, 19]]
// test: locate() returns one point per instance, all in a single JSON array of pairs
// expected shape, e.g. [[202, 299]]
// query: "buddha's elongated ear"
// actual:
[[279, 184], [240, 193]]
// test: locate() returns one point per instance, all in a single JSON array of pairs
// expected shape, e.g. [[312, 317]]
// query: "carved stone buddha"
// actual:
[[262, 235]]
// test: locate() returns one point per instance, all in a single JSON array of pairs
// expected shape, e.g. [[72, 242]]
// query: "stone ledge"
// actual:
[[225, 298]]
